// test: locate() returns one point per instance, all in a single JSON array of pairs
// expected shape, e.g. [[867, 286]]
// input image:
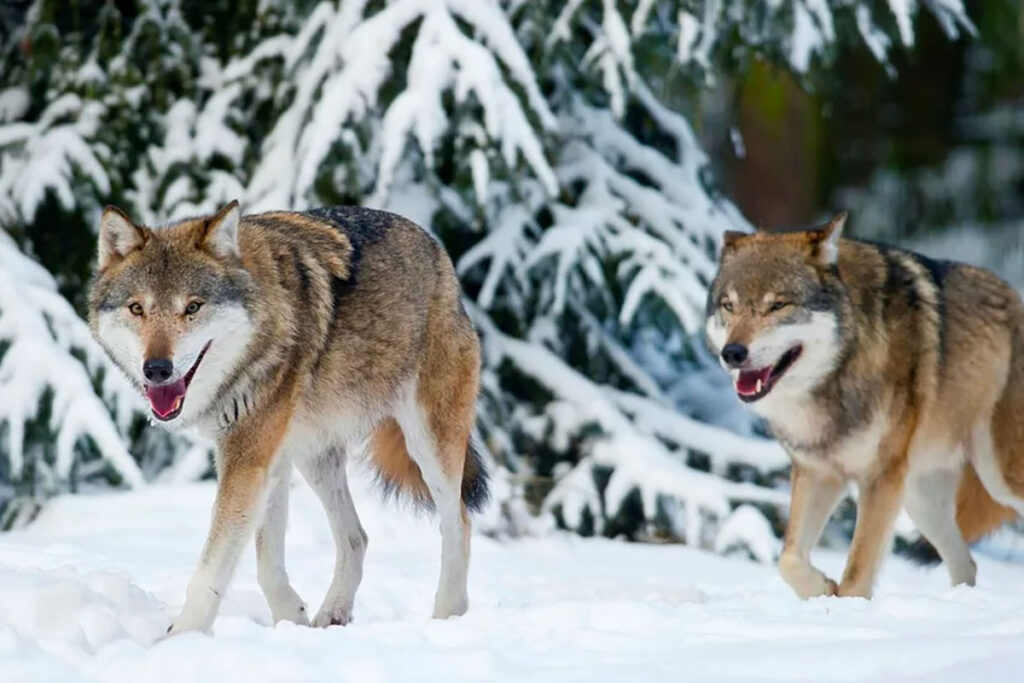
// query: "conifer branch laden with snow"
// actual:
[[56, 379]]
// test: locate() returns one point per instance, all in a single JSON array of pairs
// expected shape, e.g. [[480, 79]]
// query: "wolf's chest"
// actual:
[[851, 454], [809, 433]]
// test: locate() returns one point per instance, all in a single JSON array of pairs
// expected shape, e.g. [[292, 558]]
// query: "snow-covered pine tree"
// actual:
[[546, 144]]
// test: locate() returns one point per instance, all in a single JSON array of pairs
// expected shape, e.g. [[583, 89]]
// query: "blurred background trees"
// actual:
[[579, 160]]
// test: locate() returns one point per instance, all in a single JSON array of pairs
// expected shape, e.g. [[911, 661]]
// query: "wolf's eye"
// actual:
[[727, 305], [135, 308], [779, 305], [193, 307]]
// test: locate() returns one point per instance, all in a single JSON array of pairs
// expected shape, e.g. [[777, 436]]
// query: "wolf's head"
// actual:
[[172, 307], [774, 310]]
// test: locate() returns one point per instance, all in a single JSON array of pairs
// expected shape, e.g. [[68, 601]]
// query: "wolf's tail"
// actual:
[[977, 515], [399, 475], [475, 489]]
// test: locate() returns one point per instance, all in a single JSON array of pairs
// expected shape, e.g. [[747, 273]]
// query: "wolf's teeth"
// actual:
[[758, 388]]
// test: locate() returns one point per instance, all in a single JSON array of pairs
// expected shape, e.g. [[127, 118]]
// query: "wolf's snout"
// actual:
[[158, 370], [734, 354]]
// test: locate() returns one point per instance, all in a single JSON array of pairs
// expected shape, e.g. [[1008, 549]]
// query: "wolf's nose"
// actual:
[[734, 354], [158, 370]]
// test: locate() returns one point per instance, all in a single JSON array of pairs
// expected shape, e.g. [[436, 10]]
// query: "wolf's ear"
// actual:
[[731, 239], [828, 239], [220, 233], [118, 236]]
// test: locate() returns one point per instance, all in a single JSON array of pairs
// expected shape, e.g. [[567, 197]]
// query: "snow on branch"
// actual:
[[45, 156], [805, 29], [341, 61], [40, 334], [659, 228]]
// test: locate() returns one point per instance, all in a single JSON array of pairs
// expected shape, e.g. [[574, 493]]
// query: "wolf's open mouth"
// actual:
[[166, 400], [754, 384]]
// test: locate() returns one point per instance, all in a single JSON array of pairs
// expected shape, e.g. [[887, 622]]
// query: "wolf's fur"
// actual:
[[910, 384], [317, 331]]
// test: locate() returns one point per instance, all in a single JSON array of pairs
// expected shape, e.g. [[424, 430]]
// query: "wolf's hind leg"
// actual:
[[440, 451], [326, 475], [814, 495], [285, 604], [930, 500]]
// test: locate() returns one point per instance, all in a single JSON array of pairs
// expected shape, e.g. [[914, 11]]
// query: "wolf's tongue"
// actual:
[[165, 399], [751, 382]]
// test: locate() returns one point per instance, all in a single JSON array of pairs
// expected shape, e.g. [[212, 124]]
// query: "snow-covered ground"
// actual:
[[86, 591]]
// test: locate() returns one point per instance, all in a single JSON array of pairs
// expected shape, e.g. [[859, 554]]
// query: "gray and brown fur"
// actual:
[[350, 330], [920, 392]]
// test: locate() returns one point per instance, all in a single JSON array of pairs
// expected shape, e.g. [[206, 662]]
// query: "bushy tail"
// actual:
[[977, 515], [475, 491], [399, 475]]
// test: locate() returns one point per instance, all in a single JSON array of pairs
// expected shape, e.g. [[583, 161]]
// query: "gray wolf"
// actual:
[[879, 367], [291, 339]]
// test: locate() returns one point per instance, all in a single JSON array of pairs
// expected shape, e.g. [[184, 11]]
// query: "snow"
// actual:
[[14, 102], [688, 29], [952, 16], [638, 22], [806, 40], [902, 10], [875, 39], [87, 590]]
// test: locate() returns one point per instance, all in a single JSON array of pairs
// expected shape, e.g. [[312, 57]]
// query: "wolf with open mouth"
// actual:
[[295, 339], [882, 368]]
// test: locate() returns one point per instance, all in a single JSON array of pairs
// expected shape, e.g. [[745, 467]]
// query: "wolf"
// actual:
[[293, 339], [878, 367]]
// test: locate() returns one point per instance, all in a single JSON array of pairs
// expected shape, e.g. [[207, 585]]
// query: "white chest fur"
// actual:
[[799, 421]]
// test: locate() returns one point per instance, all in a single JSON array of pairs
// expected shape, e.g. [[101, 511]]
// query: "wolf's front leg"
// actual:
[[814, 495], [881, 496], [246, 456], [239, 497]]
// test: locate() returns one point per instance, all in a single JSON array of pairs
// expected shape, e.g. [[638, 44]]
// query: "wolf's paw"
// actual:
[[817, 587], [198, 612], [805, 580], [333, 615], [179, 626], [297, 614], [854, 589], [289, 607], [450, 606]]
